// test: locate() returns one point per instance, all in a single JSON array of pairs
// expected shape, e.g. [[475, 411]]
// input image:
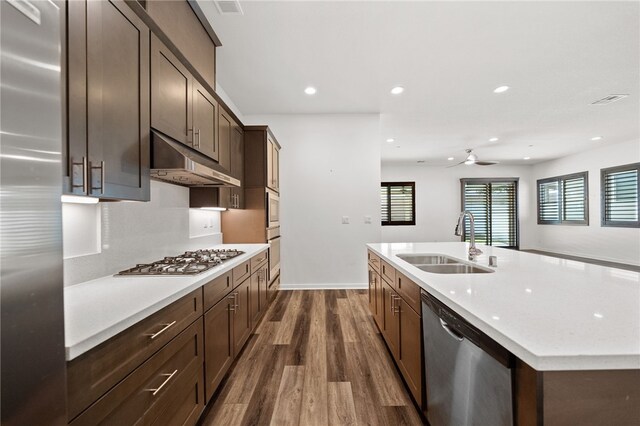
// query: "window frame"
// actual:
[[603, 173], [413, 204], [516, 181], [561, 179]]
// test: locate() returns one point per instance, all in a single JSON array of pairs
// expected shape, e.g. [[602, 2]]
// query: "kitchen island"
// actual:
[[573, 328]]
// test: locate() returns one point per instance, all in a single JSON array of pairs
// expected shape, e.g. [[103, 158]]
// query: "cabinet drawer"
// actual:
[[167, 386], [215, 290], [409, 291], [92, 374], [241, 272], [273, 232], [388, 273], [373, 260], [259, 260]]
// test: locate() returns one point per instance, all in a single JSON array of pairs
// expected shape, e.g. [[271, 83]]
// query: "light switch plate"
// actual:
[[345, 220]]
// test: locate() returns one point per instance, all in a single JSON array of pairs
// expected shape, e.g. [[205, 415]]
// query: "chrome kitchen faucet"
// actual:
[[473, 250]]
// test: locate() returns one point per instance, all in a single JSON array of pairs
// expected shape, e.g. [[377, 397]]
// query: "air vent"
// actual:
[[608, 99], [229, 7]]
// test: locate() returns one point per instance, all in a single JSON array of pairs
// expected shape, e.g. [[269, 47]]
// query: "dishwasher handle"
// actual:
[[450, 332]]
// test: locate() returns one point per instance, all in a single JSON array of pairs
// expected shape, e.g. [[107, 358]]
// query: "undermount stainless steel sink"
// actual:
[[427, 259], [454, 268]]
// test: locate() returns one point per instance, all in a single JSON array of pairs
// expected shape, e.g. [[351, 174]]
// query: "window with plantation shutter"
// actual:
[[619, 187], [398, 203], [494, 204], [564, 200]]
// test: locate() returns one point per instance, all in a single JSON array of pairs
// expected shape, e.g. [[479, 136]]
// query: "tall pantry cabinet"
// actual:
[[259, 221]]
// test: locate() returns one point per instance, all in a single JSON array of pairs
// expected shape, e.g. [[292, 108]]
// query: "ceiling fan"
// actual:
[[473, 159]]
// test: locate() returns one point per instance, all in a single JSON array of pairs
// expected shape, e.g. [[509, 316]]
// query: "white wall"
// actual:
[[134, 232], [329, 168], [438, 202], [605, 243]]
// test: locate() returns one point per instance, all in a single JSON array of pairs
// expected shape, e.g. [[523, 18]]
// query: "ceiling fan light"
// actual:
[[469, 161]]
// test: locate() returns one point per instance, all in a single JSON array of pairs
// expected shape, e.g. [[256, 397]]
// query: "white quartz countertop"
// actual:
[[97, 310], [554, 314]]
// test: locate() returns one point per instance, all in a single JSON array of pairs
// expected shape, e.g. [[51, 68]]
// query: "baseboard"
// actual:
[[325, 286]]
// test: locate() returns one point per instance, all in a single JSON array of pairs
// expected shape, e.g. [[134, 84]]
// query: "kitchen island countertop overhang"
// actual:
[[96, 310], [554, 314]]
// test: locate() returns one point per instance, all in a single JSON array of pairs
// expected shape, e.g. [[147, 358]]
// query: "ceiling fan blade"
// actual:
[[485, 163], [462, 162]]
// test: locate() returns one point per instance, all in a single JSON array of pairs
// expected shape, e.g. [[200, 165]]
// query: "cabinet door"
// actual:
[[225, 128], [372, 291], [77, 161], [237, 165], [171, 93], [205, 114], [271, 183], [117, 101], [391, 329], [263, 284], [254, 299], [218, 343], [274, 257], [241, 316], [276, 168], [410, 354], [379, 317]]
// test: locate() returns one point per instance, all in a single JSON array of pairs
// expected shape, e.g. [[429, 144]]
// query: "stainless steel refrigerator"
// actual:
[[32, 358]]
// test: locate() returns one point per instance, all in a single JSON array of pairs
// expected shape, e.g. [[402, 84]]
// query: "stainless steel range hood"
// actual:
[[176, 163]]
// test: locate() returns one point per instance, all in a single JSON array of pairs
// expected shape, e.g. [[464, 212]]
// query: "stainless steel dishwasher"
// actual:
[[468, 375]]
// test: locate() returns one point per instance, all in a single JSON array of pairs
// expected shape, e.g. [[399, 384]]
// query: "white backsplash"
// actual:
[[126, 233]]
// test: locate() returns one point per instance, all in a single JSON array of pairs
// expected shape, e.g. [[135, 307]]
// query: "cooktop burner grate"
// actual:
[[188, 263]]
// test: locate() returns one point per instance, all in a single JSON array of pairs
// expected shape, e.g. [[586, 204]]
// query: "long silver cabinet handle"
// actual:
[[165, 328], [102, 174], [168, 377], [232, 308], [83, 185]]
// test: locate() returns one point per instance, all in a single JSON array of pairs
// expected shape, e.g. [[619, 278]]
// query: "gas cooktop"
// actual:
[[189, 263]]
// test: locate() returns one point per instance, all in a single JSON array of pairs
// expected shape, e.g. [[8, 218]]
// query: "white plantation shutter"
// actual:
[[495, 209], [564, 199], [397, 203], [620, 196]]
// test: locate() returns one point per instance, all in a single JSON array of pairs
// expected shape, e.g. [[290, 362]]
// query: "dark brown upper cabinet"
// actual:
[[231, 133], [262, 158], [179, 21], [180, 106], [107, 101]]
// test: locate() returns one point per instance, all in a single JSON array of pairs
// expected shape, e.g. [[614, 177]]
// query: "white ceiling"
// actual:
[[558, 57]]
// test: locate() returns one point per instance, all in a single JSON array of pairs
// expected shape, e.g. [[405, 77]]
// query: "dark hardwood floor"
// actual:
[[317, 358]]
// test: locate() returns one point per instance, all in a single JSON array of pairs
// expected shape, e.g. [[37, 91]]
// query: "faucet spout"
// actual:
[[473, 250]]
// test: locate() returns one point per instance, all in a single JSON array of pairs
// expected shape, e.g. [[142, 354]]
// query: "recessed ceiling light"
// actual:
[[310, 90], [397, 146], [527, 158], [596, 138], [493, 140], [397, 90], [450, 158], [391, 140], [501, 89]]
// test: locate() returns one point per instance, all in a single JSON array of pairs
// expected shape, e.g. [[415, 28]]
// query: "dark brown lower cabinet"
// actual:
[[218, 338], [167, 386], [373, 306], [391, 323], [410, 345], [241, 315], [254, 301], [400, 324]]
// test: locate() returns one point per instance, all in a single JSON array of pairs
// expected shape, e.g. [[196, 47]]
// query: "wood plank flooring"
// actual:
[[317, 358]]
